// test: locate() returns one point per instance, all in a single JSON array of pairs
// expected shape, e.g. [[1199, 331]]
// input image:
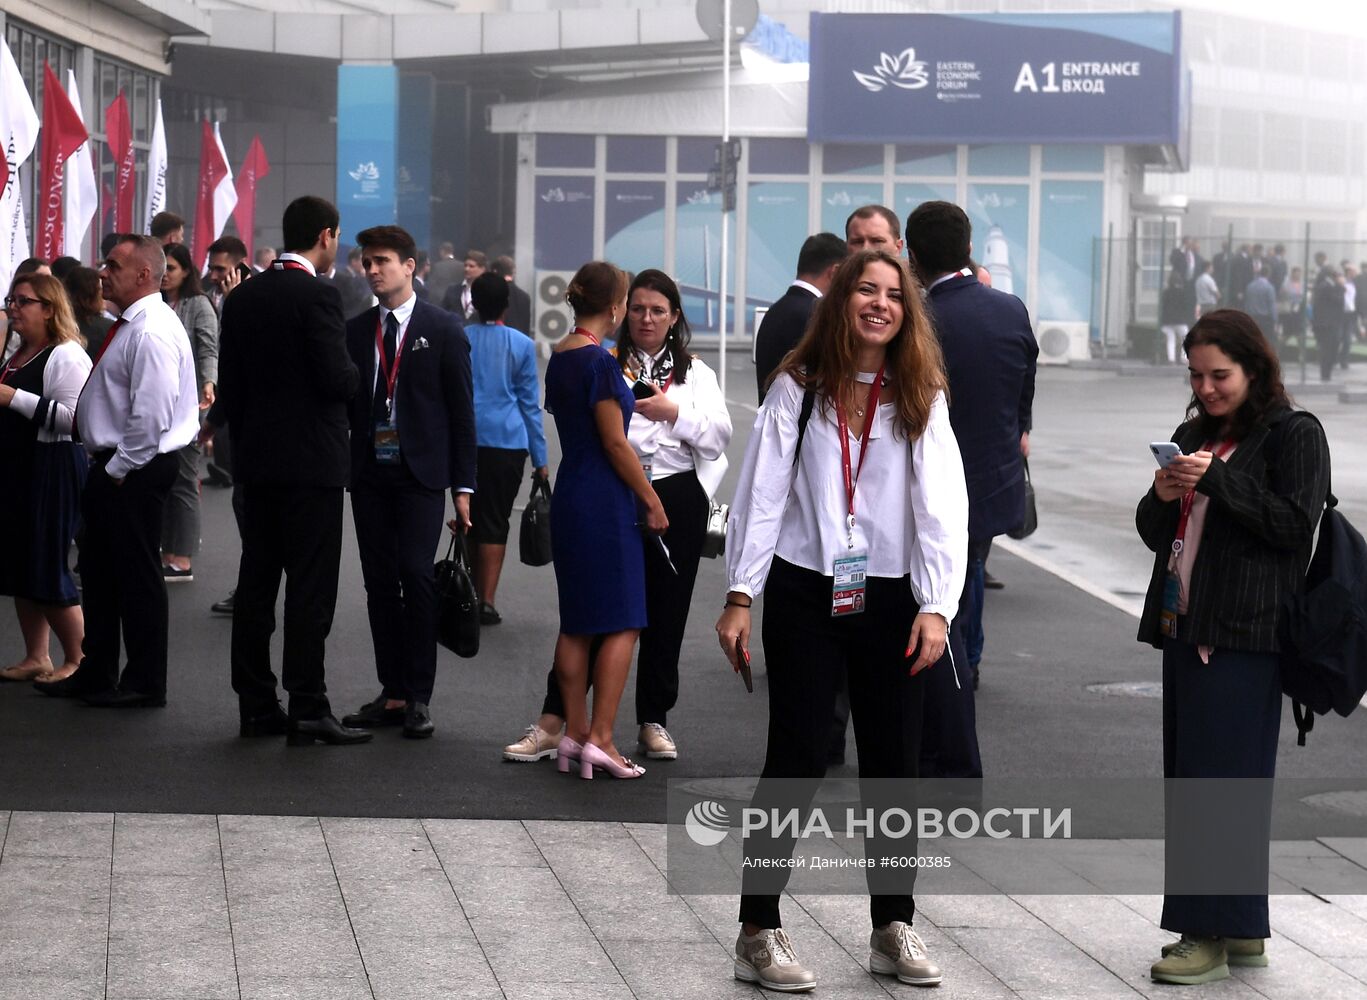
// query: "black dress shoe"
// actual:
[[124, 699], [306, 732], [488, 614], [373, 715], [417, 721], [275, 723], [225, 606], [990, 582], [64, 688]]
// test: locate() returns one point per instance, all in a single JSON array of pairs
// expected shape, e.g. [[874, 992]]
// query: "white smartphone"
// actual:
[[1164, 452]]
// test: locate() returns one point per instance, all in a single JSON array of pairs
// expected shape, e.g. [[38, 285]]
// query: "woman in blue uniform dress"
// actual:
[[601, 500]]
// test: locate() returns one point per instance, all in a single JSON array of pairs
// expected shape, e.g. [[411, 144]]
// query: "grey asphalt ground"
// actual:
[[154, 854]]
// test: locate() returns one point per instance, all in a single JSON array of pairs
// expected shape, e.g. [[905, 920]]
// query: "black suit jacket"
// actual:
[[782, 328], [434, 397], [519, 314], [990, 353], [285, 380]]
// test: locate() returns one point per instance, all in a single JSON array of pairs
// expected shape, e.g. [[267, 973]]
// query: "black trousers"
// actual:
[[1220, 720], [398, 527], [297, 531], [1329, 341], [949, 735], [122, 586], [806, 653], [668, 599]]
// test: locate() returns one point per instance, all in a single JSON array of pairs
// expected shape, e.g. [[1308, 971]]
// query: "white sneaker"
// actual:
[[535, 745], [768, 959], [897, 950], [659, 745]]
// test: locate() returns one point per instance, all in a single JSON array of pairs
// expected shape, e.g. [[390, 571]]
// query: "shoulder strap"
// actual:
[[808, 401]]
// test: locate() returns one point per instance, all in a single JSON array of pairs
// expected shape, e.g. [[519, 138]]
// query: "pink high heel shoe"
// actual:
[[570, 750], [591, 756]]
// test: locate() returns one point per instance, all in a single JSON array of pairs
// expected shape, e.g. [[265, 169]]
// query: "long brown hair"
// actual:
[[1237, 336], [61, 325], [825, 358]]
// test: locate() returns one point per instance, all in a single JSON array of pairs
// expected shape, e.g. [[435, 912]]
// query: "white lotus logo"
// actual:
[[365, 172], [707, 824], [903, 71]]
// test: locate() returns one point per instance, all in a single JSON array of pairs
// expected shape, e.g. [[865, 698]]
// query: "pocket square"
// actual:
[[421, 344]]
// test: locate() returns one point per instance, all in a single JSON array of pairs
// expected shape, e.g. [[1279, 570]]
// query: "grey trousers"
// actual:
[[180, 525]]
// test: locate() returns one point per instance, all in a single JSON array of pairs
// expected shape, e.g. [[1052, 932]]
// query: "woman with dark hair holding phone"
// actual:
[[181, 289], [87, 303], [595, 528], [1231, 526], [679, 431], [860, 579], [44, 473]]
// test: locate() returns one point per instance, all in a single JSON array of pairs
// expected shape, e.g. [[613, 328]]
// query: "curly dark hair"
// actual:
[[1237, 335]]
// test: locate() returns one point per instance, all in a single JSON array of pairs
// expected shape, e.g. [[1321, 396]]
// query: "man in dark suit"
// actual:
[[285, 381], [786, 321], [990, 353], [412, 438], [519, 314]]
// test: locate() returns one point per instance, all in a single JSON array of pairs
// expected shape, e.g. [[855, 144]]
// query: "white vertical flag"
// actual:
[[81, 193], [18, 135], [225, 194], [156, 172]]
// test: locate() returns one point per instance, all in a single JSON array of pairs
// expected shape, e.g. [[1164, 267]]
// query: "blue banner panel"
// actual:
[[995, 78], [367, 134], [417, 92]]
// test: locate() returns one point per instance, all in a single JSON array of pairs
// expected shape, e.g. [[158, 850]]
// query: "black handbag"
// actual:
[[1031, 521], [534, 542], [457, 602]]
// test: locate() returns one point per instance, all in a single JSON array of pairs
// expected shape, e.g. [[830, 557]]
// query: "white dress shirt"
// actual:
[[141, 400], [403, 313], [63, 377], [279, 262], [701, 431], [911, 502]]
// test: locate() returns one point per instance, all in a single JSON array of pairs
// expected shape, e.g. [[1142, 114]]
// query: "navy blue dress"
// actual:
[[598, 548]]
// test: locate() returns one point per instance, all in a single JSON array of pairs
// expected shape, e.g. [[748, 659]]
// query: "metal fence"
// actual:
[[1129, 273]]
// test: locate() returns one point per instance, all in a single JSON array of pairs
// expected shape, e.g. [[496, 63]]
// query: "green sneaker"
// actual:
[[1192, 961], [1249, 952]]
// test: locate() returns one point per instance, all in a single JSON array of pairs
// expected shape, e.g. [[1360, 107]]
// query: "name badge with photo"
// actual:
[[386, 443], [850, 573]]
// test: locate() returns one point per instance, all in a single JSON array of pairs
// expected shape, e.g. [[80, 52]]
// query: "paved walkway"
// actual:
[[134, 906]]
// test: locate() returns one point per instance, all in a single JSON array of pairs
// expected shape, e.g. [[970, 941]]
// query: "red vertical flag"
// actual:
[[118, 128], [63, 133], [213, 171], [253, 169]]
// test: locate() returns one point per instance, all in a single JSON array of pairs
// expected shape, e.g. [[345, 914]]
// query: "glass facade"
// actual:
[[643, 202]]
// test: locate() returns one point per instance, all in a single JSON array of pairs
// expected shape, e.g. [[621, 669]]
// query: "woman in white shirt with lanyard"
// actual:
[[862, 563], [679, 430]]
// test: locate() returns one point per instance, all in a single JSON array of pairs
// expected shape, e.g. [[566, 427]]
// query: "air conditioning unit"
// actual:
[[1061, 342], [553, 316]]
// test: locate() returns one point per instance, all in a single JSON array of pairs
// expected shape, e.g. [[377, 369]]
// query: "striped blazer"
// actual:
[[1259, 532]]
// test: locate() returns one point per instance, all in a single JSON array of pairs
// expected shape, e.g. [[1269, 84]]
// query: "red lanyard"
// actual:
[[586, 335], [12, 366], [288, 265], [852, 475], [391, 375], [1189, 498]]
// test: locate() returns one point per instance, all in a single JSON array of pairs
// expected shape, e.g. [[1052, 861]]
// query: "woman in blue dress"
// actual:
[[596, 534]]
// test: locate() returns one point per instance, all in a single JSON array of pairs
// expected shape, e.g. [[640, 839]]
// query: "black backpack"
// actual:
[[1322, 630]]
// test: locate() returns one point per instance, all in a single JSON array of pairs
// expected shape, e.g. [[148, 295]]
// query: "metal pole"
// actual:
[[1106, 302], [1305, 299], [725, 215]]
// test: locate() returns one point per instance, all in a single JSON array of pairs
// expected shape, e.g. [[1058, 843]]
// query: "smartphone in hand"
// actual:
[[743, 662], [642, 389], [1164, 452]]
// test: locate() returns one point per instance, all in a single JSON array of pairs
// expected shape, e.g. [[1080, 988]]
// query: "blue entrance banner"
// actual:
[[367, 140], [996, 78]]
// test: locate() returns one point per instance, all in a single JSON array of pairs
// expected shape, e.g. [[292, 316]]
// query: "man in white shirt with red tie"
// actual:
[[138, 408]]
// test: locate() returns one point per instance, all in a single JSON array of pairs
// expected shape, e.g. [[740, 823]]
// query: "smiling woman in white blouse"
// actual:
[[861, 563]]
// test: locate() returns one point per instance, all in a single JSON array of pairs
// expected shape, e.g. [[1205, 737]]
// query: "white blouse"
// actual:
[[699, 434], [911, 502], [63, 378]]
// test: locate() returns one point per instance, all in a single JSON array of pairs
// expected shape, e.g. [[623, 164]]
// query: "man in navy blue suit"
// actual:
[[412, 438], [787, 319], [990, 351]]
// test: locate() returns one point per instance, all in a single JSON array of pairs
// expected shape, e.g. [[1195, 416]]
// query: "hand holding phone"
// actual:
[[1164, 452], [743, 665], [642, 389]]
